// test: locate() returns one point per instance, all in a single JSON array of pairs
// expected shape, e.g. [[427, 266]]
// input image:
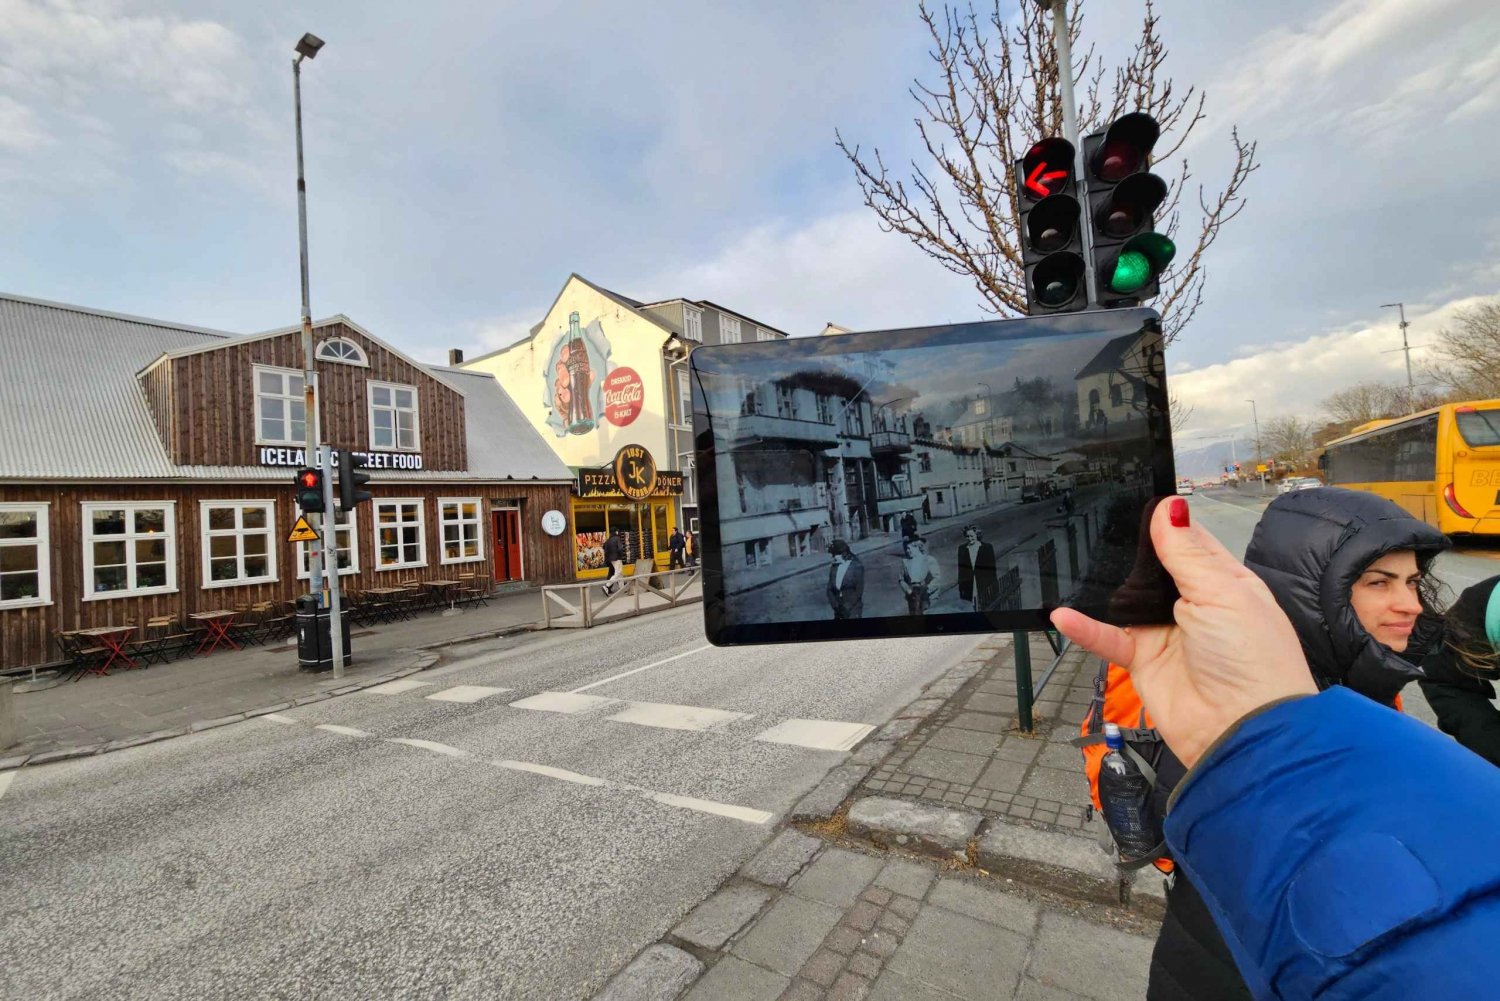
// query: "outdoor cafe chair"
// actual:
[[82, 655], [168, 638]]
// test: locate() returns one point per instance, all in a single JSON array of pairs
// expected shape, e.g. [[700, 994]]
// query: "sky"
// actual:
[[464, 158]]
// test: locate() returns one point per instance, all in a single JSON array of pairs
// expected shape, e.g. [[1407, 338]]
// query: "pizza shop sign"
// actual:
[[271, 456]]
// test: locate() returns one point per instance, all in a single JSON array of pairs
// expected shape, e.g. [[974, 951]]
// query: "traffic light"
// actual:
[[1123, 196], [351, 479], [1051, 229], [310, 490]]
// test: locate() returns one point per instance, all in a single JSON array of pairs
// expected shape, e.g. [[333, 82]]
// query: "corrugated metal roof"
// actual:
[[71, 407]]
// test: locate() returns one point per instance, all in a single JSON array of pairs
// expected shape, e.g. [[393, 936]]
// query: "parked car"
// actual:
[[1291, 483], [1185, 487]]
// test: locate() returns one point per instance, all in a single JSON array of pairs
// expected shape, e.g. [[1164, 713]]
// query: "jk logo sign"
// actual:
[[635, 472]]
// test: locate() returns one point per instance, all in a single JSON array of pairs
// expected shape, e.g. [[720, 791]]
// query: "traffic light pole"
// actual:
[[1062, 45], [331, 548], [309, 374]]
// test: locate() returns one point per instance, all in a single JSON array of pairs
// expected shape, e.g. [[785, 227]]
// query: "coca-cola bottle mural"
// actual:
[[575, 357]]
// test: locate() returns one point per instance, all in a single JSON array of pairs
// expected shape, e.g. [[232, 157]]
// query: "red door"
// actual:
[[507, 545]]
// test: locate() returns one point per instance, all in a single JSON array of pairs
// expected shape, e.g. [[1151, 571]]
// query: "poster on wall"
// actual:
[[583, 389]]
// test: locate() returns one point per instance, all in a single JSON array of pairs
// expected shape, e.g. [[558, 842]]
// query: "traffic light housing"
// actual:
[[351, 478], [1123, 196], [1051, 218], [310, 490]]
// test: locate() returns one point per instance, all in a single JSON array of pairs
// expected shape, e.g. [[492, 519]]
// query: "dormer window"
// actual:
[[343, 351]]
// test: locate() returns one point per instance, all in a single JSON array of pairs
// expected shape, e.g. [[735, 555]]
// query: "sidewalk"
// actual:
[[59, 719], [948, 859]]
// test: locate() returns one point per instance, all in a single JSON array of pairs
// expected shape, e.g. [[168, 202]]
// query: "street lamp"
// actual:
[[1411, 389], [307, 48], [1260, 459]]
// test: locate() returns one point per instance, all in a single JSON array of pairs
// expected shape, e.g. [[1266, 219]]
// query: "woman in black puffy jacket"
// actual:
[[1350, 570], [1461, 669]]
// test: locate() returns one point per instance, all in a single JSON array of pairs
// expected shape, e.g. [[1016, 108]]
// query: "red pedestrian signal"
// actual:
[[1051, 228], [310, 490]]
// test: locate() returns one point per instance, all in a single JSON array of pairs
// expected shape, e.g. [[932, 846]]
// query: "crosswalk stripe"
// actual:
[[563, 702], [347, 731], [744, 813], [551, 773], [670, 717], [819, 734], [6, 778], [465, 693], [398, 686], [429, 745]]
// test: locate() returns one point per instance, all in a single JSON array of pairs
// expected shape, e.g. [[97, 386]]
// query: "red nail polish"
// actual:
[[1178, 512]]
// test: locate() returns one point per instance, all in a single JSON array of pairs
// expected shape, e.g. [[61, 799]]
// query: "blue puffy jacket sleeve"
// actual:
[[1346, 851]]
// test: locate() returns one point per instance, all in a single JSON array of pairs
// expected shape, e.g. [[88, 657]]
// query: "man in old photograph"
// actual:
[[846, 582]]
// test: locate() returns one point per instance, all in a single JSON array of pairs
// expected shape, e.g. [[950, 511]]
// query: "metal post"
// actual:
[[1062, 45], [1411, 388], [1020, 642], [309, 375], [1260, 455], [331, 548]]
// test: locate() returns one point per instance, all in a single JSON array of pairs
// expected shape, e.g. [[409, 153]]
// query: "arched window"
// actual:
[[340, 350]]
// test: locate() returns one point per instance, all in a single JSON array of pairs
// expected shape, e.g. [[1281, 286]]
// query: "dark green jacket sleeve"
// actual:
[[1463, 704]]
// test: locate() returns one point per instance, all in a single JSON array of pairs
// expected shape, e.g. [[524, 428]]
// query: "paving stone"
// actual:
[[850, 987], [893, 986], [829, 794], [951, 766], [1054, 756], [927, 828], [787, 935], [16, 761], [872, 752], [843, 940], [862, 916], [988, 702], [904, 907], [824, 968], [837, 877], [661, 971], [897, 729], [923, 707], [1002, 776], [1057, 785], [733, 979], [1068, 862], [865, 965], [1019, 749], [1035, 990], [983, 722], [940, 949], [949, 738], [1089, 959], [881, 942], [782, 859], [893, 922], [908, 878], [715, 921], [986, 902], [803, 990]]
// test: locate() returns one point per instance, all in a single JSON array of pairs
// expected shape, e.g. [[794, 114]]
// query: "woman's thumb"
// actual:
[[1198, 562]]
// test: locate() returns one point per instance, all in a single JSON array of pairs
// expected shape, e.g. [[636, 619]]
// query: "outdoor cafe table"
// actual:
[[215, 629], [442, 587], [390, 592], [113, 637]]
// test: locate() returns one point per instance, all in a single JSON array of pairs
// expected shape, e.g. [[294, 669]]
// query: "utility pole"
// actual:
[[307, 48], [1062, 46], [1260, 456], [1411, 389]]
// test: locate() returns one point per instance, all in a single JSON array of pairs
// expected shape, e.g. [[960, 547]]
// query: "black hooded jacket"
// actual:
[[1310, 548], [1462, 700]]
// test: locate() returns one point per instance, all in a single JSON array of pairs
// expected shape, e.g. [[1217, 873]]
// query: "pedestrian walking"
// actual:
[[926, 509], [614, 558], [846, 582], [676, 547], [977, 580], [908, 526], [918, 576]]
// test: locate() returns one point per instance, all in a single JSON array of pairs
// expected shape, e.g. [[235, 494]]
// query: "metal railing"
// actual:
[[582, 604], [1026, 694]]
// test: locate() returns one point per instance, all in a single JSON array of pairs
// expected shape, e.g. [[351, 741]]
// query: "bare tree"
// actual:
[[1365, 401], [999, 90], [1288, 439], [1467, 355], [1180, 412]]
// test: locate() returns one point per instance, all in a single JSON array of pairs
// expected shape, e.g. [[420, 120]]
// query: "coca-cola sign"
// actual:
[[624, 396]]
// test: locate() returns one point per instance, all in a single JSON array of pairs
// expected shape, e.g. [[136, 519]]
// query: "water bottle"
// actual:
[[1126, 796]]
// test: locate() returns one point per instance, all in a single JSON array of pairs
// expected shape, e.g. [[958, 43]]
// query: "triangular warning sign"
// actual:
[[302, 532]]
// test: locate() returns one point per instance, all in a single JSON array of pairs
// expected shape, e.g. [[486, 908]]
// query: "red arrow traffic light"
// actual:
[[1047, 167], [1037, 180]]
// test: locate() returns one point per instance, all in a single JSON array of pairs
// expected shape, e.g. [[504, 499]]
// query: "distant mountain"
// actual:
[[1206, 462]]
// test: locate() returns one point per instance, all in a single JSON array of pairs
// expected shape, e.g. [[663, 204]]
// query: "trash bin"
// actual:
[[314, 644]]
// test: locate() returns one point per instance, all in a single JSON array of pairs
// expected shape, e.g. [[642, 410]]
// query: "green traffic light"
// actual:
[[1132, 273]]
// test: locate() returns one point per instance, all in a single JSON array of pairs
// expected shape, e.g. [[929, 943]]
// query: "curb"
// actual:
[[490, 634], [422, 663]]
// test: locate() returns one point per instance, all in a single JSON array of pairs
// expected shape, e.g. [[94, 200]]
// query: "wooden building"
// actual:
[[147, 468]]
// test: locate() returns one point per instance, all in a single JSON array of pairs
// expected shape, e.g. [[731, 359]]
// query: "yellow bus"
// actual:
[[1442, 465]]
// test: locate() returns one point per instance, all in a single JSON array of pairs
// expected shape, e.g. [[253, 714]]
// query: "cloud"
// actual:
[[20, 128], [1292, 378]]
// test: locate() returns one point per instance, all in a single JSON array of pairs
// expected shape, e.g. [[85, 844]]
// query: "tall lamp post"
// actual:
[[1260, 458], [1411, 389], [307, 48]]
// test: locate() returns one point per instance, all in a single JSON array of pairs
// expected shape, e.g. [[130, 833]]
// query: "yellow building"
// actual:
[[603, 377]]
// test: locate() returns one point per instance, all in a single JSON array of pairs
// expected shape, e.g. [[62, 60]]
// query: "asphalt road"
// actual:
[[507, 853]]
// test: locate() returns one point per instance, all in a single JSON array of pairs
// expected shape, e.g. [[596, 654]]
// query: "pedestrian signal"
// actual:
[[1051, 228], [310, 490], [1123, 196]]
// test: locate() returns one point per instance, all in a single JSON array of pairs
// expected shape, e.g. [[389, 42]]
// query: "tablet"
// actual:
[[963, 478]]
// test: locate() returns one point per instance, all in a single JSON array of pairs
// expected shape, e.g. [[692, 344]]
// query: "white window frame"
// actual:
[[396, 502], [692, 323], [684, 398], [687, 464], [346, 538], [729, 329], [762, 334], [238, 533], [416, 420], [287, 397], [42, 544], [169, 534], [359, 358], [444, 521]]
